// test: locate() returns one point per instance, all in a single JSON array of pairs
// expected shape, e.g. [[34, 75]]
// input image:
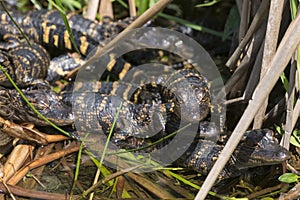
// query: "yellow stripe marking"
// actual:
[[46, 31], [126, 68], [83, 45], [126, 92], [111, 63], [92, 30], [67, 40], [55, 38], [115, 87], [3, 18], [27, 20], [102, 104]]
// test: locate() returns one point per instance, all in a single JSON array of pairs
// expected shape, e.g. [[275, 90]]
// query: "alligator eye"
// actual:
[[3, 59], [269, 134], [283, 155], [201, 95]]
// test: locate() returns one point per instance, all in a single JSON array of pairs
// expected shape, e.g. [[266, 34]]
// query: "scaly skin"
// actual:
[[48, 30]]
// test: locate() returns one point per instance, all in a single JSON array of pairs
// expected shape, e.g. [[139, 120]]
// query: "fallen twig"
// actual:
[[41, 161], [19, 191]]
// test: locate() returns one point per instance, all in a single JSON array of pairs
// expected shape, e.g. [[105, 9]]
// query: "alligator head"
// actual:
[[258, 148]]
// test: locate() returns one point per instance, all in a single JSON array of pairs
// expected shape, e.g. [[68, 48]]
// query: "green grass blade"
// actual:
[[110, 134], [76, 170], [122, 3], [189, 183], [285, 82], [99, 165], [211, 3], [58, 5], [36, 4], [142, 6], [154, 143], [293, 8], [103, 169]]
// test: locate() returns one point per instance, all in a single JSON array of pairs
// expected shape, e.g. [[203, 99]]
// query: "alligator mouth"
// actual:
[[262, 158], [267, 154]]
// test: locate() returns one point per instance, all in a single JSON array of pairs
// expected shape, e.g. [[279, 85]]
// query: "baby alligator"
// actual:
[[258, 147], [134, 117]]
